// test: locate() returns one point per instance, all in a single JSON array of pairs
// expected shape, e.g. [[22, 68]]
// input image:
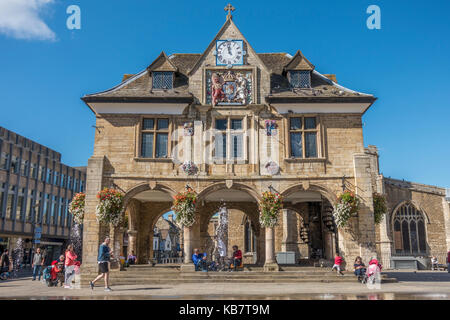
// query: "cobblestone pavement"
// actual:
[[420, 285]]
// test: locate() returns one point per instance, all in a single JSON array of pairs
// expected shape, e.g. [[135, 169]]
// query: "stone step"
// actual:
[[262, 280]]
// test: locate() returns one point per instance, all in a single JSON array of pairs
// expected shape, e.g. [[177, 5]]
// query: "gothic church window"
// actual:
[[155, 138], [303, 135], [409, 231]]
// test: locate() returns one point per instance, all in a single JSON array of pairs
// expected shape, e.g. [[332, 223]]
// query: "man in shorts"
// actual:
[[104, 256]]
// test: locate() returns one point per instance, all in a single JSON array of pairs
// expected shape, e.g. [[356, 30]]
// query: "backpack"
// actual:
[[47, 273]]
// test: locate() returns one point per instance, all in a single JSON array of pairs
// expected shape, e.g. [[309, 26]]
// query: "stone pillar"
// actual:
[[91, 228], [385, 241], [132, 241], [446, 205], [114, 235], [188, 266], [364, 245], [270, 264]]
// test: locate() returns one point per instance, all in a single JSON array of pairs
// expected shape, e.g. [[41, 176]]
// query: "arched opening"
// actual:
[[167, 240], [308, 225], [144, 206], [409, 230], [231, 216]]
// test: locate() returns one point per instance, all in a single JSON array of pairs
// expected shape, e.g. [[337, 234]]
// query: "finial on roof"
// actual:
[[230, 9]]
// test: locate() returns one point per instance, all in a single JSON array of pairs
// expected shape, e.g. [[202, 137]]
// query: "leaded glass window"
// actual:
[[409, 231], [162, 80], [300, 79]]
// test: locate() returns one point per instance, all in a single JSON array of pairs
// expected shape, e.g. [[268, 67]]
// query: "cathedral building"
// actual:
[[231, 124]]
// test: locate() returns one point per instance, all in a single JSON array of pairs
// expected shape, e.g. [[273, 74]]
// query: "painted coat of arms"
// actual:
[[229, 88]]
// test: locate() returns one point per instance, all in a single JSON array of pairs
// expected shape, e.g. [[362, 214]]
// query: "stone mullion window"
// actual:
[[155, 138], [303, 137], [230, 139]]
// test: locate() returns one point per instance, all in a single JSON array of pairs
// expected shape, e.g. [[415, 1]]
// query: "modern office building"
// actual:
[[35, 192]]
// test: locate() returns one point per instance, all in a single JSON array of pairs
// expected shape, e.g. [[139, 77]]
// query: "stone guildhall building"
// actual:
[[232, 123]]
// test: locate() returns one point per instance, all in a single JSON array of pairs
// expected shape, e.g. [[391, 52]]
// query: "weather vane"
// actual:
[[230, 9]]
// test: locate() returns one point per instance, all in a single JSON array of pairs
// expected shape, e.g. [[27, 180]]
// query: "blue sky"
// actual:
[[46, 68]]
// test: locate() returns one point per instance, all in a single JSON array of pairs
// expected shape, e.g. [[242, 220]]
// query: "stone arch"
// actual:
[[330, 196], [211, 209], [135, 190], [223, 185]]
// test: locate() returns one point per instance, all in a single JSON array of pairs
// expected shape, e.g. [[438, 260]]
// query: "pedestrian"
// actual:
[[448, 262], [5, 262], [337, 264], [61, 276], [69, 265], [38, 262], [104, 256], [237, 258], [360, 268]]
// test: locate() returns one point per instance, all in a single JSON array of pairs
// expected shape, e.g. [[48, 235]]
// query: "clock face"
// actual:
[[229, 52]]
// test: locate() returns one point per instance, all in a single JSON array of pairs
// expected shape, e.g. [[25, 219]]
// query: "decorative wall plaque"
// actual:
[[229, 87], [271, 128], [188, 129], [272, 167]]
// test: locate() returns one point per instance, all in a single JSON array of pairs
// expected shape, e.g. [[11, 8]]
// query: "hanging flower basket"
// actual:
[[379, 207], [110, 208], [76, 207], [184, 207], [189, 168], [269, 208], [346, 208]]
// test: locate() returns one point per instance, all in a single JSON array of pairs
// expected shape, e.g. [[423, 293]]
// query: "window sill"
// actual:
[[305, 159], [153, 159]]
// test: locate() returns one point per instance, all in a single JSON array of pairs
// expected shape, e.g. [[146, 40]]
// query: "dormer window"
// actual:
[[162, 80], [300, 79]]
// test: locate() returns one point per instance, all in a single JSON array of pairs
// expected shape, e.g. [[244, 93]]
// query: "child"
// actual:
[[434, 263], [54, 274], [373, 273], [337, 264], [60, 274]]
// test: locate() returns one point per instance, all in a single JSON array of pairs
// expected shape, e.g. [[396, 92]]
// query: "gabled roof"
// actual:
[[162, 63], [299, 62], [227, 24]]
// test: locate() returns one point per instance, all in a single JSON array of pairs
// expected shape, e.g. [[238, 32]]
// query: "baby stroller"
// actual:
[[50, 274], [373, 272]]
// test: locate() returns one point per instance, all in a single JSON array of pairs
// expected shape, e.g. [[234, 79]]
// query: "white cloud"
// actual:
[[20, 19]]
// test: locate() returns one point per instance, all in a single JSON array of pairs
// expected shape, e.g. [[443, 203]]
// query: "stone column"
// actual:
[[270, 264], [91, 228], [188, 266], [132, 241], [385, 241], [446, 205], [364, 246]]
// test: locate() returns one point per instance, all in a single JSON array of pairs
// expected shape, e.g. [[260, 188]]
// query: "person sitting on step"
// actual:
[[199, 260], [237, 258]]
